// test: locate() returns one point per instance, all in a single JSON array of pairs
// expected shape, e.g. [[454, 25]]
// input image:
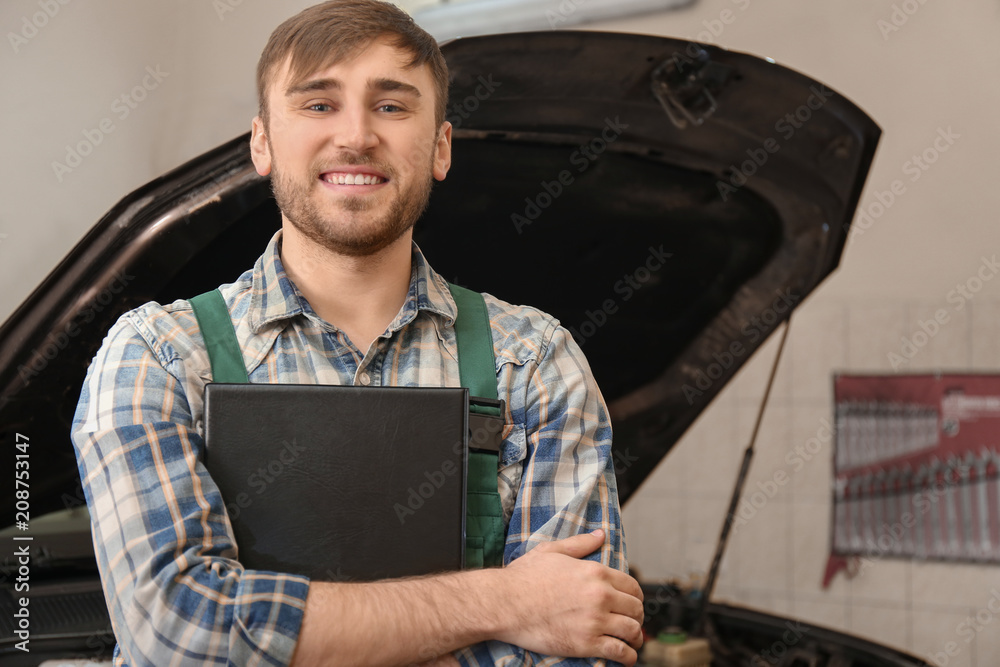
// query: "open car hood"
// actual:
[[669, 202]]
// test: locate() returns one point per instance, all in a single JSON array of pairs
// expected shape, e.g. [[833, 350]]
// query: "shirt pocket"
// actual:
[[513, 445], [513, 451]]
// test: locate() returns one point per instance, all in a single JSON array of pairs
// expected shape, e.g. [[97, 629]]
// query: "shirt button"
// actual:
[[365, 379]]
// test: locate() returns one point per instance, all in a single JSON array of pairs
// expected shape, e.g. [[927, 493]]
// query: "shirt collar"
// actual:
[[274, 296]]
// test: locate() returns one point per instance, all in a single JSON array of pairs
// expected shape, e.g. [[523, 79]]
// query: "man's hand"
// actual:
[[549, 601], [573, 608]]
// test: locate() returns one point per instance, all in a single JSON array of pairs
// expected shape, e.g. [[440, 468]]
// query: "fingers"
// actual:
[[580, 546], [626, 584], [629, 607], [577, 546], [612, 648], [566, 597], [627, 593], [624, 628]]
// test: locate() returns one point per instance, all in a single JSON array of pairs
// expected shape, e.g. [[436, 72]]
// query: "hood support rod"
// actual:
[[720, 548]]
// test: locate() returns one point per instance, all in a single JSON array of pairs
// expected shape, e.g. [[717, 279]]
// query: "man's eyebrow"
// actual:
[[381, 84], [392, 85], [312, 86]]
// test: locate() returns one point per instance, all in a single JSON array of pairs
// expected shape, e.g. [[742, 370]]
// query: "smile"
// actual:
[[340, 178]]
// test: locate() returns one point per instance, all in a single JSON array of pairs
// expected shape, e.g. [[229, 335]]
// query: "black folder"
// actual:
[[341, 483]]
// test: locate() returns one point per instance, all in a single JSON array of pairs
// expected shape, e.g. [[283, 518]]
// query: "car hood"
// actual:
[[671, 203]]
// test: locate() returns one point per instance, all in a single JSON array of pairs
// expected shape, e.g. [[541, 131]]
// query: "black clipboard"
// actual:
[[341, 483]]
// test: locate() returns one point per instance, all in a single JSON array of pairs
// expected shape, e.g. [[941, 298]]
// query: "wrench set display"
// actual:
[[916, 464]]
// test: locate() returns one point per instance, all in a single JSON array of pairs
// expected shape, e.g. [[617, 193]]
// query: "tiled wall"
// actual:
[[775, 562], [896, 272]]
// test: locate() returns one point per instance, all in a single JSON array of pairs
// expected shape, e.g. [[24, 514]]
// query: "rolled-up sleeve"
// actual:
[[567, 483], [164, 545]]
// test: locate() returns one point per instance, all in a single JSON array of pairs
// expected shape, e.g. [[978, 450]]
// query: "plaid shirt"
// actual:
[[175, 589]]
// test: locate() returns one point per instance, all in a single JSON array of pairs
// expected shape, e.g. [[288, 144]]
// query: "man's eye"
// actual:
[[390, 108], [319, 106]]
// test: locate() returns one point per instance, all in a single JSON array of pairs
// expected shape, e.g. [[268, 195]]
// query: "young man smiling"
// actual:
[[352, 133]]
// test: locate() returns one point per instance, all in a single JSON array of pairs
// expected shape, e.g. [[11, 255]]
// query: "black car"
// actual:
[[585, 154]]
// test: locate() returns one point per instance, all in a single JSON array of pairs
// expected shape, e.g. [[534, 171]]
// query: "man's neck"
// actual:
[[358, 295]]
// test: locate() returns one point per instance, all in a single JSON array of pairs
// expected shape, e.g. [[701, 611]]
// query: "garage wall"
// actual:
[[923, 71], [149, 85], [102, 96]]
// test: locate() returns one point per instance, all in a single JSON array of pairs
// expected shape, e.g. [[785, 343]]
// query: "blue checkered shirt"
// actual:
[[175, 589]]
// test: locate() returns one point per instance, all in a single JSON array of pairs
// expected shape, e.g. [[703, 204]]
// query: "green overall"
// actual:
[[484, 529]]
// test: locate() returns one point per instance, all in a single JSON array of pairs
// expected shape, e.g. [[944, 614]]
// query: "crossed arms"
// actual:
[[175, 587]]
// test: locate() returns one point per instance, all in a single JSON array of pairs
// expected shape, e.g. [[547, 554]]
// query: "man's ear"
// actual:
[[259, 150], [442, 152]]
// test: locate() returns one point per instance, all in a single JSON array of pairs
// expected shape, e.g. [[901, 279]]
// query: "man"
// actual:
[[351, 131]]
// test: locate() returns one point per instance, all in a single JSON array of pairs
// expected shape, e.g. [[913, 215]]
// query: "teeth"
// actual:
[[352, 179]]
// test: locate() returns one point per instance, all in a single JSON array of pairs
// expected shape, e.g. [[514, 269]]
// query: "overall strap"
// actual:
[[220, 338], [476, 362], [485, 533]]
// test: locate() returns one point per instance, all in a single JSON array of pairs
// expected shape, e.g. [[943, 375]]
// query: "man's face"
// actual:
[[353, 149]]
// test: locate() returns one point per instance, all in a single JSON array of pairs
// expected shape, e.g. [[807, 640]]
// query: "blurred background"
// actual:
[[102, 96]]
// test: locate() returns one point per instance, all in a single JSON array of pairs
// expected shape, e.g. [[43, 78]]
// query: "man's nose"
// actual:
[[355, 131]]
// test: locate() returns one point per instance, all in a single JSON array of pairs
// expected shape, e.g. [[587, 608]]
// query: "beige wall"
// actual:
[[68, 76], [938, 71]]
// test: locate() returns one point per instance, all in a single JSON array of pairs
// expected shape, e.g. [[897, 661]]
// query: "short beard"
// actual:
[[303, 213]]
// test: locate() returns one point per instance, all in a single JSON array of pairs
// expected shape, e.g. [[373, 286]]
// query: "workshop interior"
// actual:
[[768, 227]]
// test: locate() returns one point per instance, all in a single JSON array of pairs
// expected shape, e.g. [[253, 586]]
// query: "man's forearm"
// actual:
[[398, 622], [548, 601]]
